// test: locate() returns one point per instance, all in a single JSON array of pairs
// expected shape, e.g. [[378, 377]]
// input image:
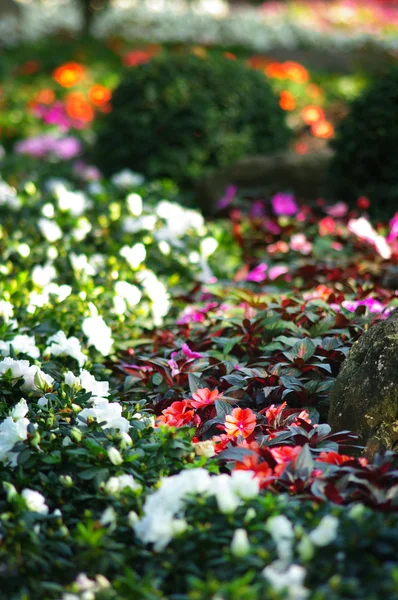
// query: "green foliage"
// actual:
[[366, 160], [179, 115]]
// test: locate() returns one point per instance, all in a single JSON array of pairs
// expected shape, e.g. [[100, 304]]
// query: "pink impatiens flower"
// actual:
[[203, 397]]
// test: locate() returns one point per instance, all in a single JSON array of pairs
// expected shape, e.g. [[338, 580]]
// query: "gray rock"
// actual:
[[304, 175], [365, 395]]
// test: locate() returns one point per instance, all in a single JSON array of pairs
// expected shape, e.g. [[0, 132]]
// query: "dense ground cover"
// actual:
[[165, 381]]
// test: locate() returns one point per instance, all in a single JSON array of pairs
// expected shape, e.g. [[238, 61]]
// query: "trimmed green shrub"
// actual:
[[177, 116], [366, 142]]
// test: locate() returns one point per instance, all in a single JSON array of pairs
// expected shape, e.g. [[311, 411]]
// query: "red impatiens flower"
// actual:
[[176, 415], [220, 442], [273, 414], [283, 455], [203, 397], [240, 422], [334, 458]]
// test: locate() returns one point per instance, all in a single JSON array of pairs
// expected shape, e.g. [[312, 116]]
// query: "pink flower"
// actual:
[[258, 273], [284, 204], [337, 210], [364, 231], [299, 243], [189, 353], [277, 271], [373, 305], [393, 235], [203, 397]]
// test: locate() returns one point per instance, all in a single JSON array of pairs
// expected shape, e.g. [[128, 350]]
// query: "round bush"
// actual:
[[366, 142], [178, 115]]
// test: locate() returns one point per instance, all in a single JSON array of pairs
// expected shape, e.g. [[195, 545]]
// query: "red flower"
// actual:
[[273, 414], [334, 458], [363, 203], [262, 469], [283, 455], [204, 397], [240, 422], [176, 415], [220, 442]]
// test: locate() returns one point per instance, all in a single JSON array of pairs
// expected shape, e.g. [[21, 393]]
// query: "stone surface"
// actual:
[[365, 395], [304, 175]]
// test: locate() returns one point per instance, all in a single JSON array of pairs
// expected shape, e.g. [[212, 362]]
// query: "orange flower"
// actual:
[[78, 107], [286, 100], [69, 74], [176, 415], [295, 72], [275, 70], [99, 94], [240, 422], [312, 114], [45, 96], [204, 397], [229, 55], [322, 129]]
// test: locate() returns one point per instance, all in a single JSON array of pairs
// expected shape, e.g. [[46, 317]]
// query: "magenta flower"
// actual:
[[393, 235], [229, 195], [373, 305], [284, 205], [189, 353], [258, 273], [339, 209]]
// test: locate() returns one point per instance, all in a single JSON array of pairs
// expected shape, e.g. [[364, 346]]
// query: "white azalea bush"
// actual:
[[113, 255]]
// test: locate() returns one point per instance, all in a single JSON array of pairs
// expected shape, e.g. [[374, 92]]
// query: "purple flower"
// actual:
[[46, 145], [229, 195], [284, 204]]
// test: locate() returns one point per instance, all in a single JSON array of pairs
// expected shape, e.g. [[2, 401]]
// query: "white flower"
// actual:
[[50, 230], [42, 276], [108, 413], [60, 345], [83, 228], [114, 456], [99, 389], [240, 545], [108, 518], [134, 255], [36, 380], [74, 202], [6, 310], [114, 485], [128, 292], [325, 532], [8, 196], [145, 222], [134, 203], [244, 484], [289, 578], [281, 530], [21, 343], [158, 525], [35, 501], [98, 333], [20, 410], [157, 292], [127, 179], [73, 381], [18, 368], [226, 498], [12, 430]]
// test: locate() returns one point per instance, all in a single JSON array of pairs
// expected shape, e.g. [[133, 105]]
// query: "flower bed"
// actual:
[[165, 381]]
